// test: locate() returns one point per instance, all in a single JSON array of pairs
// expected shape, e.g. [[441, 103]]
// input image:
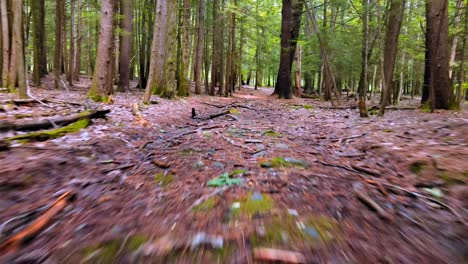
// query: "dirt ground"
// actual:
[[319, 182]]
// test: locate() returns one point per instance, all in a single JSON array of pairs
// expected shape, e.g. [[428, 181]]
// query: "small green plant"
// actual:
[[223, 180], [417, 166]]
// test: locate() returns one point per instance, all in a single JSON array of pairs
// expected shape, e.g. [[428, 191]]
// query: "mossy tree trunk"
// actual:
[[39, 35], [102, 85], [162, 73]]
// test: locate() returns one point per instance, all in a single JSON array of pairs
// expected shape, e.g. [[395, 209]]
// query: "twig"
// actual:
[[233, 117], [36, 226]]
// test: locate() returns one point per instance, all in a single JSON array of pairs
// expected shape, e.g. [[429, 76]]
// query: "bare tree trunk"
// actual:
[[461, 70], [71, 62], [453, 50], [217, 45], [298, 71], [363, 84], [200, 41], [78, 40], [5, 43], [125, 53], [162, 77], [391, 46], [439, 55], [59, 10], [290, 23], [182, 83], [17, 29], [102, 85], [40, 59]]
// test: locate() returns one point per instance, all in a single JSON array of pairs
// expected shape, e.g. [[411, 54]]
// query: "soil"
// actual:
[[303, 167]]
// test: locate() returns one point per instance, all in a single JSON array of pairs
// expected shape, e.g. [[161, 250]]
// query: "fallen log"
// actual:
[[14, 242], [51, 134], [31, 125]]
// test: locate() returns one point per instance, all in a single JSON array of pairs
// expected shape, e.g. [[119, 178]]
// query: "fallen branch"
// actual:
[[14, 242], [212, 116], [363, 197], [139, 116], [30, 125]]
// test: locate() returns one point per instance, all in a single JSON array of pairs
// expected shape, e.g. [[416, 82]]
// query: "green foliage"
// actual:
[[223, 180]]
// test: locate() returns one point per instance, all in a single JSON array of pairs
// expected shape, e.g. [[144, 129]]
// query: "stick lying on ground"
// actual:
[[51, 134], [14, 242], [30, 125]]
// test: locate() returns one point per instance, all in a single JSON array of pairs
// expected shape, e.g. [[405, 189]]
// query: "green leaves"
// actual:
[[223, 180]]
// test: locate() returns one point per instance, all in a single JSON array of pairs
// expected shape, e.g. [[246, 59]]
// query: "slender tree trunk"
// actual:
[[461, 70], [391, 46], [183, 85], [71, 62], [199, 49], [453, 49], [18, 42], [5, 43], [298, 71], [363, 84], [125, 53], [162, 78], [40, 59], [78, 40], [59, 10], [102, 85]]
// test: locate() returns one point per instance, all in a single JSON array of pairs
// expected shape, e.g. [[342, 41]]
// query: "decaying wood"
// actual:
[[138, 115], [31, 125], [212, 116], [14, 242], [278, 255]]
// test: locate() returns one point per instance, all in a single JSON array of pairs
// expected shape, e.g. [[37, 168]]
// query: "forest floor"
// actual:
[[319, 183]]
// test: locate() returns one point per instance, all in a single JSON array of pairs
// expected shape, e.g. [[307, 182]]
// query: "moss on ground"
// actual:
[[163, 180], [454, 177], [51, 134], [281, 162], [252, 205], [207, 205], [271, 133], [109, 252], [417, 166], [234, 111]]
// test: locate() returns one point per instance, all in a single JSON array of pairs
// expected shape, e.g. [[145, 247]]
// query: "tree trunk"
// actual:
[[461, 70], [71, 62], [391, 46], [17, 29], [364, 63], [291, 13], [453, 50], [125, 53], [5, 43], [77, 66], [298, 71], [59, 10], [162, 77], [439, 55], [102, 85], [217, 45], [182, 83], [40, 59], [199, 46]]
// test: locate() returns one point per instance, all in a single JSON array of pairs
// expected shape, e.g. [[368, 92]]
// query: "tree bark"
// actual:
[[102, 85], [291, 13], [59, 10], [298, 71], [40, 59], [77, 66], [391, 47], [125, 53], [17, 29], [182, 83], [162, 76], [217, 45], [461, 70], [5, 43], [363, 84], [199, 46], [439, 55], [71, 62]]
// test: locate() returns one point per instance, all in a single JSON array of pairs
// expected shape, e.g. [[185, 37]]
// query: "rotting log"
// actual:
[[31, 125], [51, 134]]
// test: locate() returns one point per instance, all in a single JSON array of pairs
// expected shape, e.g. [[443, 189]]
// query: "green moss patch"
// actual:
[[135, 242], [454, 177], [111, 251], [417, 166], [20, 116], [207, 205], [271, 133], [254, 204], [51, 134], [286, 230], [281, 162], [163, 180], [234, 111]]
